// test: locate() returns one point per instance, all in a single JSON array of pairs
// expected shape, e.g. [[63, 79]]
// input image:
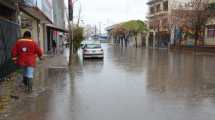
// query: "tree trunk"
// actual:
[[126, 42], [196, 37], [136, 40], [121, 39]]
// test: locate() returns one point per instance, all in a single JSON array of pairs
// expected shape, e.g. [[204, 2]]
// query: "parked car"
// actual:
[[93, 50]]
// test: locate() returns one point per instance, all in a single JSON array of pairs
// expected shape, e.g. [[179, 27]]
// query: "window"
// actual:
[[152, 11], [93, 46], [158, 8], [165, 6]]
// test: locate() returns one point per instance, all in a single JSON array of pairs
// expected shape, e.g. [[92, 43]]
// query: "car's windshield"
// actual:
[[93, 46]]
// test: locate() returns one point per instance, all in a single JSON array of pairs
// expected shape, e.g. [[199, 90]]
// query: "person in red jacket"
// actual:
[[24, 54]]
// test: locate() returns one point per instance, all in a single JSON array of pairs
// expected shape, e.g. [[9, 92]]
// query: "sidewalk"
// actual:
[[11, 93]]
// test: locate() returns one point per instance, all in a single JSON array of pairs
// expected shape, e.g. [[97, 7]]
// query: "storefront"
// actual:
[[55, 38]]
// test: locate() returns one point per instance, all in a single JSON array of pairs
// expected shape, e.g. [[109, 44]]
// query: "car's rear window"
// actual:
[[93, 46]]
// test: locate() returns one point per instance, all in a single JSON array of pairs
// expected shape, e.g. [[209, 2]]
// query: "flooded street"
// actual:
[[129, 84]]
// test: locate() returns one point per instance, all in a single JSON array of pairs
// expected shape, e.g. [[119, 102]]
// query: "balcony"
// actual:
[[157, 14]]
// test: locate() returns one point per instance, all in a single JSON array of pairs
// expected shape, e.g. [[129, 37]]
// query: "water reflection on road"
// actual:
[[129, 84]]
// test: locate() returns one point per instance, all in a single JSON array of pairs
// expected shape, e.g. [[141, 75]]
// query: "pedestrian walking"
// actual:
[[24, 54], [54, 46]]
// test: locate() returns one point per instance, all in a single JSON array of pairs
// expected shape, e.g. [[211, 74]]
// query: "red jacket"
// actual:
[[25, 52]]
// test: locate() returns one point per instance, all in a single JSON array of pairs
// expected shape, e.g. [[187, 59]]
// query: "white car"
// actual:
[[93, 50]]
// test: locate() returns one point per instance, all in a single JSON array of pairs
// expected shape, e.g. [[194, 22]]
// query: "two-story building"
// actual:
[[159, 35], [161, 23]]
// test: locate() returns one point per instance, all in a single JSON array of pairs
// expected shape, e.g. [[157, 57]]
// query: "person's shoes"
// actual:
[[29, 85], [24, 81]]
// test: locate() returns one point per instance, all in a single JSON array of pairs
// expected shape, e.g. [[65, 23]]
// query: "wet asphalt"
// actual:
[[129, 84]]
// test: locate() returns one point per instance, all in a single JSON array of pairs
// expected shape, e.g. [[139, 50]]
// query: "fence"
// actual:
[[9, 32]]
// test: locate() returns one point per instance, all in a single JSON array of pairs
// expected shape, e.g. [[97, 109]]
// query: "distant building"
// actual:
[[34, 16]]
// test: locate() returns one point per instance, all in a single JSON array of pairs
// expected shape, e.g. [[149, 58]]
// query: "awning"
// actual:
[[57, 28], [36, 13]]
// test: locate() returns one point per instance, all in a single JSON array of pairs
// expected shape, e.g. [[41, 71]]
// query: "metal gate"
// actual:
[[9, 33]]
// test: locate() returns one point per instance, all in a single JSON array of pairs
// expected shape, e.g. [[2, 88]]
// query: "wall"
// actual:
[[46, 6], [58, 13], [29, 23]]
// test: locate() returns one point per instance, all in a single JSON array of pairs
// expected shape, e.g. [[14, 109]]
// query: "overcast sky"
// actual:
[[108, 12]]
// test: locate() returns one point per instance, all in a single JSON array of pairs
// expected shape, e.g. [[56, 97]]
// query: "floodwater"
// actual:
[[129, 84]]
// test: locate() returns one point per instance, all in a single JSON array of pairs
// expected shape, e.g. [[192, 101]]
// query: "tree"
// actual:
[[134, 27], [78, 37], [120, 33], [130, 28]]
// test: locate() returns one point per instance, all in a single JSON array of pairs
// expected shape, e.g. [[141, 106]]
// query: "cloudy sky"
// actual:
[[108, 12]]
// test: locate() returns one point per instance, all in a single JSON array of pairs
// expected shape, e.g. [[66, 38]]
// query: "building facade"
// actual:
[[159, 35], [174, 22], [34, 16], [44, 18]]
